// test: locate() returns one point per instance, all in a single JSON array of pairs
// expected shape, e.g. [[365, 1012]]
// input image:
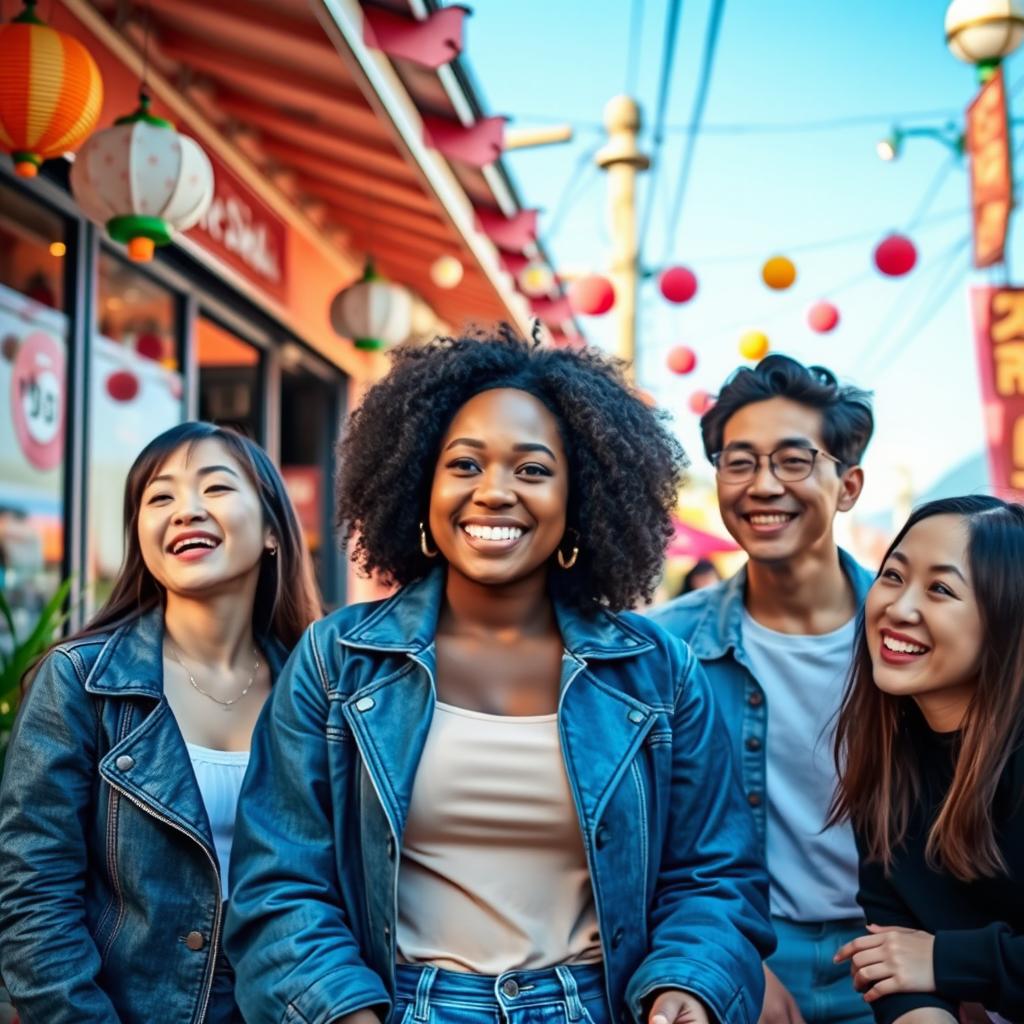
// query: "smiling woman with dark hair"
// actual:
[[497, 795], [123, 771]]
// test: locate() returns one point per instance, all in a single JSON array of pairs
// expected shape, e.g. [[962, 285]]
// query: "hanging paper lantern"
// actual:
[[823, 317], [143, 180], [682, 360], [51, 92], [446, 272], [592, 295], [699, 402], [122, 386], [778, 273], [754, 345], [536, 279], [678, 284], [895, 255], [373, 312], [150, 346]]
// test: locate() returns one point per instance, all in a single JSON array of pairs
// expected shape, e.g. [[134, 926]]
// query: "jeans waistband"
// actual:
[[817, 929], [574, 984]]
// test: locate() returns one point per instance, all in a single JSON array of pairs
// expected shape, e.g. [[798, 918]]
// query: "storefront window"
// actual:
[[136, 392], [33, 398], [229, 379], [307, 435]]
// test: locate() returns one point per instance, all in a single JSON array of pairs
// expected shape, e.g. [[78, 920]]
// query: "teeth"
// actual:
[[493, 532], [202, 542], [901, 646], [765, 519]]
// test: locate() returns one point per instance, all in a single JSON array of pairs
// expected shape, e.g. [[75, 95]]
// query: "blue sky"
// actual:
[[755, 193]]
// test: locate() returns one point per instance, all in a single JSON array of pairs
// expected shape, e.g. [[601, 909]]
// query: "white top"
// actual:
[[493, 875], [813, 873], [219, 774]]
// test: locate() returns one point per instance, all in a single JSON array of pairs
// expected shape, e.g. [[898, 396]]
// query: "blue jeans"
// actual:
[[803, 963], [556, 995]]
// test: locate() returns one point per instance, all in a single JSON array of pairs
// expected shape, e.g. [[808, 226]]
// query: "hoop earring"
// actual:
[[568, 563], [424, 546], [272, 552]]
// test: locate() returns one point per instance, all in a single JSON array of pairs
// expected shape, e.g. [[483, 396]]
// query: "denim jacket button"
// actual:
[[753, 743], [601, 837], [510, 988], [754, 799], [636, 716], [125, 763], [756, 699], [195, 941], [365, 703], [617, 938]]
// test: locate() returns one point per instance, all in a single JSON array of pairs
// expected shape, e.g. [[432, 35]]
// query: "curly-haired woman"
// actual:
[[496, 796]]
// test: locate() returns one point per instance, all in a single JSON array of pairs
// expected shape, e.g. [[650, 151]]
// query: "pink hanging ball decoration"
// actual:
[[150, 346], [122, 386], [682, 360], [895, 255], [678, 284], [700, 402], [592, 295], [823, 317]]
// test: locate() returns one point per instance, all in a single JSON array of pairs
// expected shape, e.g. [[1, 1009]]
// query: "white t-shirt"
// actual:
[[813, 873]]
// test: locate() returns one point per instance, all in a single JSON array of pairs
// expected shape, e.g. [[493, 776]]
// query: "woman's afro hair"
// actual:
[[625, 467]]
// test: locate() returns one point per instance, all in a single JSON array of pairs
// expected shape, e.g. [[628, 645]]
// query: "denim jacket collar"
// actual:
[[130, 663], [407, 623], [720, 627]]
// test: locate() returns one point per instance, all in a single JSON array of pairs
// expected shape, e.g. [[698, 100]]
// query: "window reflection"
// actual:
[[33, 393], [229, 379], [136, 392]]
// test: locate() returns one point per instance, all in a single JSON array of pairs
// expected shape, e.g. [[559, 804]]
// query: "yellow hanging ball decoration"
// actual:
[[778, 273], [754, 345]]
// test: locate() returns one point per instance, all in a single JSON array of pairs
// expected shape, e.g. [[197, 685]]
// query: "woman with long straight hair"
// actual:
[[118, 802], [930, 754]]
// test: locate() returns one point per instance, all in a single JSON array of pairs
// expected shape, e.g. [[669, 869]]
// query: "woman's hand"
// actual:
[[359, 1017], [673, 1006], [888, 960]]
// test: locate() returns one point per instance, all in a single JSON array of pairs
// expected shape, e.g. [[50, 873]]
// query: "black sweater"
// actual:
[[978, 926]]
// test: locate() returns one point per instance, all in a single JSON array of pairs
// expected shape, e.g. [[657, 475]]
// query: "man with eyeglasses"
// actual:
[[776, 640]]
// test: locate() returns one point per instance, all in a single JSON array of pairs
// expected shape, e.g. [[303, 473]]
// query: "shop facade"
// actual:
[[231, 322]]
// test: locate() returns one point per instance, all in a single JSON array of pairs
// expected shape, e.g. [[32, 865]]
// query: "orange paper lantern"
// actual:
[[778, 273], [50, 91]]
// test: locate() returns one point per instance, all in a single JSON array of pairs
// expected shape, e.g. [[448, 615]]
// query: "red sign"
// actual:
[[37, 399], [244, 233], [304, 485], [999, 335], [988, 143]]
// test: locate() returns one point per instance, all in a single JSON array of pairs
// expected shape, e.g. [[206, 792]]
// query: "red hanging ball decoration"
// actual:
[[678, 284], [592, 295], [682, 360], [150, 346], [122, 386], [895, 255], [700, 402], [823, 317]]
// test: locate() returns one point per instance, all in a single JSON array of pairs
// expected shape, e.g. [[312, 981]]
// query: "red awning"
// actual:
[[689, 542]]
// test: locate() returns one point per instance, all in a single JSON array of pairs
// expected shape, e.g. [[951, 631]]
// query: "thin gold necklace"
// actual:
[[206, 693]]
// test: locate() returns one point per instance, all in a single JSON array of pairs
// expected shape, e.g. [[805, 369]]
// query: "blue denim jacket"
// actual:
[[711, 622], [680, 890], [110, 894]]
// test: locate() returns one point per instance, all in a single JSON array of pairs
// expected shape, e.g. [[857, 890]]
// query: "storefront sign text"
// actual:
[[988, 144], [999, 334]]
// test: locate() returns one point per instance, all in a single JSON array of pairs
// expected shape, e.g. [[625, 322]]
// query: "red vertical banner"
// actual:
[[999, 336], [987, 141]]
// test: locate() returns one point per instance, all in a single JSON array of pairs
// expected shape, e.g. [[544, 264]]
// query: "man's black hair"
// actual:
[[847, 421]]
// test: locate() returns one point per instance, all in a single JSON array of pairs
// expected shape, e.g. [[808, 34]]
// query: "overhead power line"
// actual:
[[636, 31], [699, 102], [664, 88]]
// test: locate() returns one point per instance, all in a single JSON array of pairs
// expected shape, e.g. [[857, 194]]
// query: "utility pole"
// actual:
[[621, 158]]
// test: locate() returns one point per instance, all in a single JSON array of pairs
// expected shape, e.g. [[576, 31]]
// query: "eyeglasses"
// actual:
[[788, 464]]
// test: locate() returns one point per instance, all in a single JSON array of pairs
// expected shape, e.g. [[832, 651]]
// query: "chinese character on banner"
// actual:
[[988, 143], [999, 335]]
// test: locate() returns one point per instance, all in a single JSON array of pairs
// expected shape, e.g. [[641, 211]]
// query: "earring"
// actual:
[[424, 546], [568, 563], [272, 552]]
